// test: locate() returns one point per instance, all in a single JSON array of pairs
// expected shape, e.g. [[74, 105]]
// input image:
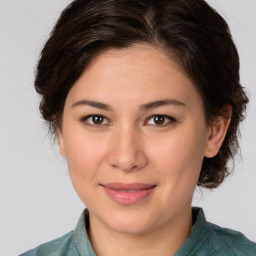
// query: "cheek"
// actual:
[[84, 158], [179, 157], [84, 155]]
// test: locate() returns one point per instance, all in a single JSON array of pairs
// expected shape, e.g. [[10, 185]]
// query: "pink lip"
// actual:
[[128, 194]]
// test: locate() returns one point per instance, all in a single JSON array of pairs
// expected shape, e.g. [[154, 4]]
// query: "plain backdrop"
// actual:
[[37, 200]]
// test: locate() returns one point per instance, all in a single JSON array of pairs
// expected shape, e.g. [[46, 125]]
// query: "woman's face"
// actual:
[[134, 136]]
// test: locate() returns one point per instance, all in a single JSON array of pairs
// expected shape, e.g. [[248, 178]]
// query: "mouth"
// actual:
[[128, 194]]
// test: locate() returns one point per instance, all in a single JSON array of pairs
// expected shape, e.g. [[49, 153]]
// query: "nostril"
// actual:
[[126, 167], [125, 153]]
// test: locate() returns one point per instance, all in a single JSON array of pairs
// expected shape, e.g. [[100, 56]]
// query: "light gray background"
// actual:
[[37, 201]]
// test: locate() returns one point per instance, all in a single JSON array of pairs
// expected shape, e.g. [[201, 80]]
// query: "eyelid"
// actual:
[[171, 119], [85, 121]]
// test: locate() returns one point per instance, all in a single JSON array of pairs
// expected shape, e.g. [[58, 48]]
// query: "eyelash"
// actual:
[[85, 120], [169, 119]]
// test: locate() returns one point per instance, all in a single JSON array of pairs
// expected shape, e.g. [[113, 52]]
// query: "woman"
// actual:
[[145, 100]]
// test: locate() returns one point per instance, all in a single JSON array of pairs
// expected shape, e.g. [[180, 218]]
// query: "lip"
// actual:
[[128, 194]]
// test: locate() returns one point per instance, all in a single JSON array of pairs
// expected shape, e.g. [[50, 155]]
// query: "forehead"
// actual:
[[142, 57], [135, 74]]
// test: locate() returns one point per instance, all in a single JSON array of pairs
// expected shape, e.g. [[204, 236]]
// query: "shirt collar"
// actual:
[[200, 233], [81, 238]]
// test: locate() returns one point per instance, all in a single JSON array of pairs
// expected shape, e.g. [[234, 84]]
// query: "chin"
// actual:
[[133, 223]]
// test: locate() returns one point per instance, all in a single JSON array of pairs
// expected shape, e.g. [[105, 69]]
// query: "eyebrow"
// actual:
[[160, 103], [94, 104], [144, 107]]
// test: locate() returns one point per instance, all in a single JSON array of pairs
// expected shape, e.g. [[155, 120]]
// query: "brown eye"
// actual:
[[95, 120], [160, 120], [98, 120]]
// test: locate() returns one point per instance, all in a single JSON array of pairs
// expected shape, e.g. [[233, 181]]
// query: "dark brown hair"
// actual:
[[191, 30]]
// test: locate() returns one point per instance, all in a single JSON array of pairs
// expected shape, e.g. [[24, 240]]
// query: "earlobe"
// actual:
[[217, 132], [60, 142]]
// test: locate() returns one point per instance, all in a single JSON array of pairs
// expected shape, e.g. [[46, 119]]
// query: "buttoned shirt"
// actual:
[[206, 239]]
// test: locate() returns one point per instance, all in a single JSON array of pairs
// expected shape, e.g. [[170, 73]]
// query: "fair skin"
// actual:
[[134, 118]]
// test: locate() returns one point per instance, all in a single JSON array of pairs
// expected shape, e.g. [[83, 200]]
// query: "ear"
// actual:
[[217, 132], [60, 142]]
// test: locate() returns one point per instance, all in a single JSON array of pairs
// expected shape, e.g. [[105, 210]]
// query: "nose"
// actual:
[[127, 151]]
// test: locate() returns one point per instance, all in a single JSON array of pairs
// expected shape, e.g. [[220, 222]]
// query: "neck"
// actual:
[[164, 240]]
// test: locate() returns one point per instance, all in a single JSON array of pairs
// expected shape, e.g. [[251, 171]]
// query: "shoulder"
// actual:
[[74, 243], [229, 242], [209, 239], [57, 247]]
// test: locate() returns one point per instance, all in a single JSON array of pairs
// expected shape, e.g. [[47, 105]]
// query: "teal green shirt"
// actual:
[[206, 239]]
